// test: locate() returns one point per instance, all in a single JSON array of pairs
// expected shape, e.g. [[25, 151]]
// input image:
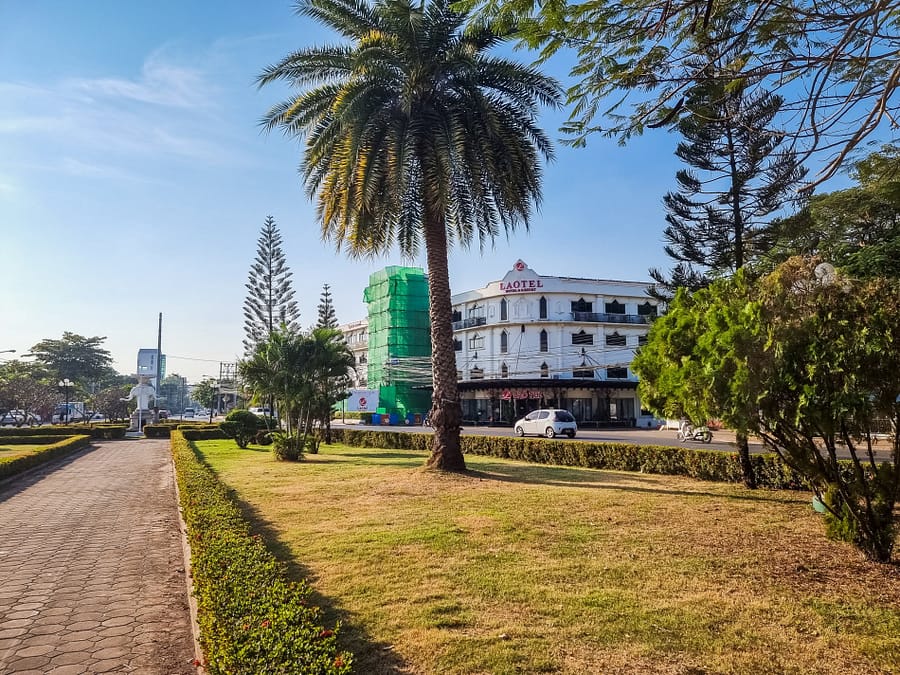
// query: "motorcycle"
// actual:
[[688, 432]]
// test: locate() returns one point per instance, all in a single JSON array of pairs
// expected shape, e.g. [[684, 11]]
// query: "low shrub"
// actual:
[[242, 426], [206, 433], [59, 448], [34, 439], [252, 619], [158, 430], [711, 465], [287, 448]]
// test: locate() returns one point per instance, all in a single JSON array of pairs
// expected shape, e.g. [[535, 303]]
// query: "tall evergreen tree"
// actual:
[[327, 318], [270, 294], [742, 174]]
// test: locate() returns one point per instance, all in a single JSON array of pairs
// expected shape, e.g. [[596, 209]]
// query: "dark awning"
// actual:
[[544, 383]]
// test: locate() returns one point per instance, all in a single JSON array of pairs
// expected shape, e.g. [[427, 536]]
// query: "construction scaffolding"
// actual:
[[399, 329]]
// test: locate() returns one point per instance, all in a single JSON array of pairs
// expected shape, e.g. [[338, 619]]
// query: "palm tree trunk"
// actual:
[[445, 414]]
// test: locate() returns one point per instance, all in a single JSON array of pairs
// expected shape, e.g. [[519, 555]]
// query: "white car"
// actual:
[[188, 414], [19, 418], [549, 423]]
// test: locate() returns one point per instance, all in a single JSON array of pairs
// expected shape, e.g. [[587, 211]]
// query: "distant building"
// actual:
[[529, 341], [146, 365], [356, 335]]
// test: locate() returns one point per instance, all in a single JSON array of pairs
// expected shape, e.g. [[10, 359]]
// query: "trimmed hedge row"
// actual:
[[98, 431], [710, 465], [34, 439], [14, 465], [165, 430], [252, 619]]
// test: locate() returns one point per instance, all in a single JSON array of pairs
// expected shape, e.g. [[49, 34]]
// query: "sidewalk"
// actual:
[[91, 566]]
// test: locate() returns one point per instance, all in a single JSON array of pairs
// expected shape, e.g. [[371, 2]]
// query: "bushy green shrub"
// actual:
[[158, 430], [204, 433], [252, 619], [242, 426], [99, 431], [711, 465], [13, 465], [287, 448], [34, 439]]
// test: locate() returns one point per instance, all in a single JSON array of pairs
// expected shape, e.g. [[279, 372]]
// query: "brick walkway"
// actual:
[[91, 566]]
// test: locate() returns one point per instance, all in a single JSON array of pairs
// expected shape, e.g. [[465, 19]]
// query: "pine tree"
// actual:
[[270, 295], [327, 318], [717, 218]]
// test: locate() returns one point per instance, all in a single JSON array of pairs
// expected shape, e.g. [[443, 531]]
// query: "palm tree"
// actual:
[[330, 366], [413, 135]]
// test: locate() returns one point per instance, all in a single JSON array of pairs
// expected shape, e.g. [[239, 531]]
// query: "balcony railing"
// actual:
[[471, 322], [597, 317]]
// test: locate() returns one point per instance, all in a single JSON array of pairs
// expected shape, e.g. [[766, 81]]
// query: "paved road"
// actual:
[[91, 566], [722, 440]]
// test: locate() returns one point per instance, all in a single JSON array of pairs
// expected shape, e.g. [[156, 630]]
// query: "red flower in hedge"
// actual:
[[326, 633], [266, 623], [338, 662]]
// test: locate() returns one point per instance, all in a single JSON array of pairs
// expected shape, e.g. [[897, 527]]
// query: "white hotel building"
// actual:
[[530, 341]]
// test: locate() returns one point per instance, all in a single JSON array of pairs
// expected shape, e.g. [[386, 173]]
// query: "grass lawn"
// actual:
[[10, 452], [519, 568]]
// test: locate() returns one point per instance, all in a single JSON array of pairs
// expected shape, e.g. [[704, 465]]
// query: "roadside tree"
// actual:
[[78, 358], [414, 134], [807, 360]]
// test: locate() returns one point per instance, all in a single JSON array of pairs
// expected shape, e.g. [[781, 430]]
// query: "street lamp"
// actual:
[[65, 384]]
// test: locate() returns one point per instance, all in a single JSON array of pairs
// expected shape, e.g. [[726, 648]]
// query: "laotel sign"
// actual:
[[521, 285], [521, 279]]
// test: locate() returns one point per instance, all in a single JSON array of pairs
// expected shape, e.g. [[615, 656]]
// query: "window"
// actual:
[[545, 370], [646, 309], [476, 342], [504, 371], [504, 312], [457, 345], [615, 340], [459, 375], [363, 359], [582, 338], [582, 306], [615, 307], [504, 342], [617, 373], [583, 372], [457, 315], [582, 409], [545, 344], [476, 374], [642, 340], [542, 308]]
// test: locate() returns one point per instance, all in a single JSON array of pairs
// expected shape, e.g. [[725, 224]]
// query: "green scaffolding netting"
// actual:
[[399, 339]]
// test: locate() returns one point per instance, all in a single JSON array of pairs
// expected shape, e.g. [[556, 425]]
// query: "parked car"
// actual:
[[19, 418], [188, 414], [163, 414], [548, 422]]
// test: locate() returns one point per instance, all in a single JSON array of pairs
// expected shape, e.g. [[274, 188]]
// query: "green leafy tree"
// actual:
[[327, 317], [26, 387], [834, 61], [78, 358], [857, 229], [172, 391], [270, 293], [806, 361], [331, 364], [206, 393], [414, 134]]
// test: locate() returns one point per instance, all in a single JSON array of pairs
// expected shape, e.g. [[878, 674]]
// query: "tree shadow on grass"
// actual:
[[600, 479], [370, 656]]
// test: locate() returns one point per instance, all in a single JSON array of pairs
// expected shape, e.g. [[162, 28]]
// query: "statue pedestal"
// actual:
[[140, 417]]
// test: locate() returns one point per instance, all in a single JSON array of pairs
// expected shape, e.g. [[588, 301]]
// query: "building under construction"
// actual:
[[399, 340]]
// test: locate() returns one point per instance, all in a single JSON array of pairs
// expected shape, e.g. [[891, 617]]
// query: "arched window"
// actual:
[[582, 338], [542, 309], [476, 373], [504, 342], [545, 344], [545, 370], [504, 371], [582, 306], [647, 309], [615, 307], [615, 340], [504, 312]]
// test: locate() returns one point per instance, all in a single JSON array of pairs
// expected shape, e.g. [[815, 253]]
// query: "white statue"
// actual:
[[143, 392]]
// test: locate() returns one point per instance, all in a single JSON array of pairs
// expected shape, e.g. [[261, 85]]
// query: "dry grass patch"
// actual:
[[521, 568]]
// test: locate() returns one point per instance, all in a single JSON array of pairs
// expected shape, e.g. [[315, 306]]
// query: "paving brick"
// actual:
[[89, 578]]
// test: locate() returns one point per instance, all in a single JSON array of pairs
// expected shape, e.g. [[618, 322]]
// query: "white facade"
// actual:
[[356, 335], [530, 340]]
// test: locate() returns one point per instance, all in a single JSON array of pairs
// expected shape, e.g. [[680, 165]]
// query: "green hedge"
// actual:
[[165, 430], [34, 439], [99, 431], [711, 465], [14, 465], [252, 619], [205, 434]]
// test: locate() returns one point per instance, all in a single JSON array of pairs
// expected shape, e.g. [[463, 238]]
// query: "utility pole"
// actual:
[[158, 371]]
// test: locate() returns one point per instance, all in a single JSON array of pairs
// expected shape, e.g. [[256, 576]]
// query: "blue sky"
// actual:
[[134, 180]]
